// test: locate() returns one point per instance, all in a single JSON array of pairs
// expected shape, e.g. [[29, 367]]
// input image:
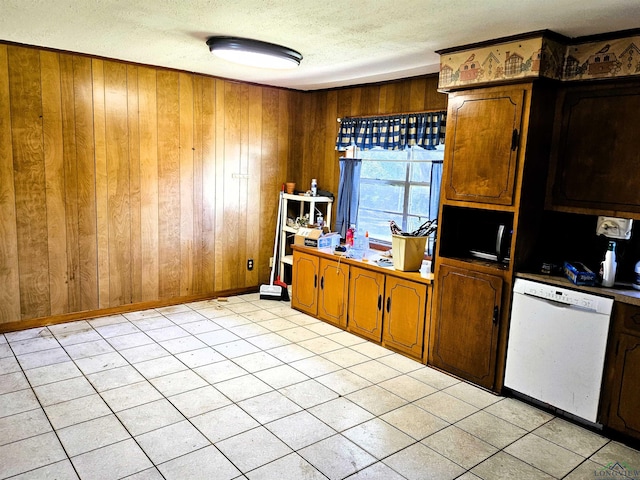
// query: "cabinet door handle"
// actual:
[[379, 302], [496, 313], [322, 282], [514, 140], [315, 281], [388, 304]]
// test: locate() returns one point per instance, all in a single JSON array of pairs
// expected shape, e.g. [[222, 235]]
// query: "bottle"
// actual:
[[314, 187], [320, 221], [366, 244], [636, 277], [349, 236], [609, 266], [357, 251]]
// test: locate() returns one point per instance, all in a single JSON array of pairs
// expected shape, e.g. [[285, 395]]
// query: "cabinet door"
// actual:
[[624, 410], [366, 298], [596, 149], [466, 319], [305, 283], [483, 137], [333, 292], [404, 316]]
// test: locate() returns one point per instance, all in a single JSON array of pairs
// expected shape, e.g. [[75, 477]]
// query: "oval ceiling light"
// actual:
[[254, 52]]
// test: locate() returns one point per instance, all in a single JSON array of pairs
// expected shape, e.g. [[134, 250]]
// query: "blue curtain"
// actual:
[[434, 195], [393, 132], [348, 194]]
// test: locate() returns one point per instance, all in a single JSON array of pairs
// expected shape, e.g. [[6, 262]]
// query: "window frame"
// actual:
[[406, 184]]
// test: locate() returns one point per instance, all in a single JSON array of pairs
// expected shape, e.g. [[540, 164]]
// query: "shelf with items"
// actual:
[[297, 206]]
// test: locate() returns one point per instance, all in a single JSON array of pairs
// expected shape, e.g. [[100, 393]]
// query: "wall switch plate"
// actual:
[[250, 264], [270, 262]]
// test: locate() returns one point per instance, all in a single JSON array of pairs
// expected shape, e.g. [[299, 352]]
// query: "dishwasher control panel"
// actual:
[[561, 295]]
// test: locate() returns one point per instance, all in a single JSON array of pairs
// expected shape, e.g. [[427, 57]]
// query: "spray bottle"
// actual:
[[609, 266]]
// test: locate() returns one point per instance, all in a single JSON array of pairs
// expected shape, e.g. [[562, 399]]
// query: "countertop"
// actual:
[[369, 263], [620, 292]]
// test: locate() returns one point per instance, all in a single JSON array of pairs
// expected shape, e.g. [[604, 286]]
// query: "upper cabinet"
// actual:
[[484, 128], [596, 150]]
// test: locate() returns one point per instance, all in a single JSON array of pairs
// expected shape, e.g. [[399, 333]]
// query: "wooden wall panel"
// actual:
[[187, 243], [168, 98], [123, 184], [231, 217], [54, 178], [9, 265], [220, 222], [102, 190], [148, 147], [85, 164], [134, 182], [67, 108], [29, 179], [208, 184], [118, 175], [252, 201]]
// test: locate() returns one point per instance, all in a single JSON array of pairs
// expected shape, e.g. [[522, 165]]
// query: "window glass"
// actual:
[[395, 185]]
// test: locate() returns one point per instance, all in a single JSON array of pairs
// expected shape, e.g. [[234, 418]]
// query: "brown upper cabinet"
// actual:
[[483, 140], [596, 150]]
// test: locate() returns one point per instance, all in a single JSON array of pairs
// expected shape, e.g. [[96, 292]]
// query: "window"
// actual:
[[396, 185]]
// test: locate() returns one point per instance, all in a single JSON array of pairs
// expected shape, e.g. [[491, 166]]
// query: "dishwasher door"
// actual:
[[556, 347]]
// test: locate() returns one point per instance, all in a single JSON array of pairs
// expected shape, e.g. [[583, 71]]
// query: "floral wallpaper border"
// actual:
[[540, 56]]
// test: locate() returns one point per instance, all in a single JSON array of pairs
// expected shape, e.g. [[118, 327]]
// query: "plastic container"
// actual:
[[636, 277], [358, 249], [408, 252], [609, 266]]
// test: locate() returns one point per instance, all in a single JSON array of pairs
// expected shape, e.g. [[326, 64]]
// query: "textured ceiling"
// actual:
[[344, 42]]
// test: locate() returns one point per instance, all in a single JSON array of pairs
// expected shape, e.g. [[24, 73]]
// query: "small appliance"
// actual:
[[492, 242]]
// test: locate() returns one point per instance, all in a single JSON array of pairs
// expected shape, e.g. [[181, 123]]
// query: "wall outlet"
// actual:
[[270, 262], [250, 264]]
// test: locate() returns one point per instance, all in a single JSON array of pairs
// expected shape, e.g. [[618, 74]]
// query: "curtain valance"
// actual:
[[393, 132]]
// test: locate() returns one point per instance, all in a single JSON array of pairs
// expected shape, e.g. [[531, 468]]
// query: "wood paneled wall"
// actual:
[[313, 146], [123, 184]]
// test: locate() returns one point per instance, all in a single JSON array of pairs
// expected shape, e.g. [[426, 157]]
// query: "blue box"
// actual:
[[579, 274]]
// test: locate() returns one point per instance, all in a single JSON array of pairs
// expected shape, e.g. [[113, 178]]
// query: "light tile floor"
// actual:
[[250, 388]]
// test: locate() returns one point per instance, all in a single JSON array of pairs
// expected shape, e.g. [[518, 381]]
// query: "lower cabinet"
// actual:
[[465, 326], [621, 395], [333, 292], [404, 316], [321, 288], [305, 280], [366, 298], [389, 309]]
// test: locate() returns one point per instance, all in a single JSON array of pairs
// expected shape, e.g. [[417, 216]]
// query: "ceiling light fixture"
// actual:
[[254, 52]]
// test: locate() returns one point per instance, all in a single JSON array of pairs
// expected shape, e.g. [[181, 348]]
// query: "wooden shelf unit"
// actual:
[[306, 205]]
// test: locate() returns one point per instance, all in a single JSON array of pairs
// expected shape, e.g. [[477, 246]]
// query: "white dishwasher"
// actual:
[[556, 347]]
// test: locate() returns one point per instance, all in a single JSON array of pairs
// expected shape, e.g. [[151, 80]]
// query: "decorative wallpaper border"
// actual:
[[540, 57]]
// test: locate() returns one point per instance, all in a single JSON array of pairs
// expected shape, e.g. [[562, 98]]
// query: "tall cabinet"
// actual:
[[496, 158]]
